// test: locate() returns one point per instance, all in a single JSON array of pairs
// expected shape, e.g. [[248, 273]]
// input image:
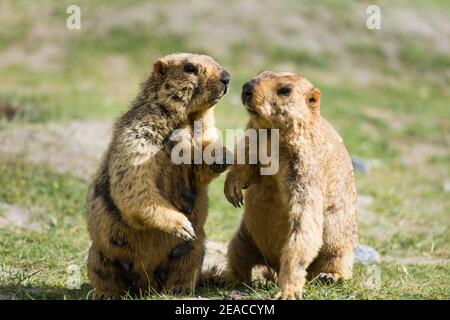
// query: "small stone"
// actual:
[[366, 254], [364, 165]]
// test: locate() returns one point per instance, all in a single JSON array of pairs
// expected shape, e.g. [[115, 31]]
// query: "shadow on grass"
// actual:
[[30, 292], [44, 293]]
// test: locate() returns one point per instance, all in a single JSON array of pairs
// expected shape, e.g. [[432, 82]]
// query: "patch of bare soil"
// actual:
[[13, 215], [220, 27], [74, 147], [393, 119], [43, 47], [419, 153]]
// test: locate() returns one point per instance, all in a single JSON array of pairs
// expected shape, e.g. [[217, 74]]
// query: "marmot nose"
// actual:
[[225, 78], [247, 91]]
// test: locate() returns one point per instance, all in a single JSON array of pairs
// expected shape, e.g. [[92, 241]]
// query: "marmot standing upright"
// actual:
[[146, 214], [302, 220]]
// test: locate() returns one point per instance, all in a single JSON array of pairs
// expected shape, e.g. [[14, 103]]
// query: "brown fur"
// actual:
[[146, 214], [301, 221]]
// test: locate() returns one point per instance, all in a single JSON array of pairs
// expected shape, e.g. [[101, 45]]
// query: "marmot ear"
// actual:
[[313, 99], [159, 67]]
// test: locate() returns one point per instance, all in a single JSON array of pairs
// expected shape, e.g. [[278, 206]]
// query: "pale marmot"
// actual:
[[301, 221]]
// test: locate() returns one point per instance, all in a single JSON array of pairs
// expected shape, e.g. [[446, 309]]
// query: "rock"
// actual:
[[366, 254], [364, 165]]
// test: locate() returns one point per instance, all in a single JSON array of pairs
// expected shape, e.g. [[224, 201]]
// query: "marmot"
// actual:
[[301, 222], [145, 214]]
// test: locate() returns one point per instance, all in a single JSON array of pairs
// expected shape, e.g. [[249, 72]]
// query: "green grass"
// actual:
[[388, 118]]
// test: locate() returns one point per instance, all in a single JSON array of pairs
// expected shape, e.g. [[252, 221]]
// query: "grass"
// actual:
[[390, 118]]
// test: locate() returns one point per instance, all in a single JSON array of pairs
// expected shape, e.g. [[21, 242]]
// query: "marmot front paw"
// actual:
[[233, 190], [328, 278], [184, 230]]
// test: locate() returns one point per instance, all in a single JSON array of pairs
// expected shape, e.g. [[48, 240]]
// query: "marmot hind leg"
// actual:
[[242, 256], [111, 278], [182, 270], [334, 266], [337, 255]]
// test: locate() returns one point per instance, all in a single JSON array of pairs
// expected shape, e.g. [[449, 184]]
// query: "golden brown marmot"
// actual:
[[302, 220], [145, 214]]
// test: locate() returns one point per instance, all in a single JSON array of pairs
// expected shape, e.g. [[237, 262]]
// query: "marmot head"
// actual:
[[277, 99], [194, 82]]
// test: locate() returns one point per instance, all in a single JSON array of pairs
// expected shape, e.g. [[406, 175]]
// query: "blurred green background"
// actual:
[[386, 92]]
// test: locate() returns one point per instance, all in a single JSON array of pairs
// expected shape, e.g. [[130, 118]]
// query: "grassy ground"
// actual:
[[385, 91]]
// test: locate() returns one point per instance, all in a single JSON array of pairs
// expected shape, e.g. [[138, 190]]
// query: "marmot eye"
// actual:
[[190, 68], [284, 91]]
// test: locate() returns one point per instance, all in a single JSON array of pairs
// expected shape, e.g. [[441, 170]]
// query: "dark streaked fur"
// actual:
[[145, 214]]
